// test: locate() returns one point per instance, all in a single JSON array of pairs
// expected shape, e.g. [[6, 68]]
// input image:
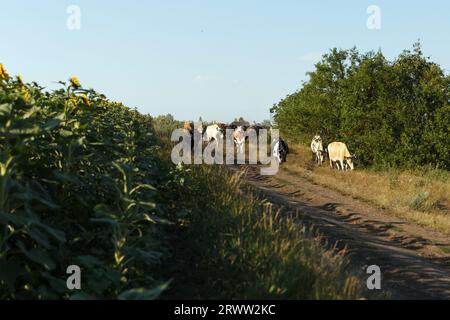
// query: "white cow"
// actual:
[[317, 149], [338, 152], [214, 132], [239, 139]]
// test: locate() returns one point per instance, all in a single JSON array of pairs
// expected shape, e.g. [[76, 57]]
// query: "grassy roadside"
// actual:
[[419, 197], [230, 244]]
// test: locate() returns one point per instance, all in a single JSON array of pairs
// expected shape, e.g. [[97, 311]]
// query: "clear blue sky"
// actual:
[[215, 59]]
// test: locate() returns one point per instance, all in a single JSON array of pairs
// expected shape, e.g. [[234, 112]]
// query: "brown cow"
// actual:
[[188, 126]]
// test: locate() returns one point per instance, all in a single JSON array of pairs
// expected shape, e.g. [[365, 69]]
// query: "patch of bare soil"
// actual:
[[414, 261]]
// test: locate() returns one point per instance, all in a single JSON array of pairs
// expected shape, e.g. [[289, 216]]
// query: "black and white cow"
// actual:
[[280, 150]]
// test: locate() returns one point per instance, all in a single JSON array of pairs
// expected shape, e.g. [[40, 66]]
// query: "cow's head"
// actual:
[[350, 162]]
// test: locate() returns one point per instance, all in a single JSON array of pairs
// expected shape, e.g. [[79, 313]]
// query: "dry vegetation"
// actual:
[[236, 246], [422, 197]]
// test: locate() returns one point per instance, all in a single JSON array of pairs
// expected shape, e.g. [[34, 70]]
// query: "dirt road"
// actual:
[[412, 263]]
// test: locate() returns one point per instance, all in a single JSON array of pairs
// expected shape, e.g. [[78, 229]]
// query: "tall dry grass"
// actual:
[[236, 246], [420, 196]]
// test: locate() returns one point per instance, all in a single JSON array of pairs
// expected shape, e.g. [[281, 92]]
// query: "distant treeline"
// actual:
[[390, 113]]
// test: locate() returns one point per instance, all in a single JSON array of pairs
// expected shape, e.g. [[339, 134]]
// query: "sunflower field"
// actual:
[[77, 187]]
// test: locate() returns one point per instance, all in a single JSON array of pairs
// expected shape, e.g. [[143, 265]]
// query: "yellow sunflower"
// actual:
[[19, 79], [85, 99], [74, 82], [3, 73], [25, 94]]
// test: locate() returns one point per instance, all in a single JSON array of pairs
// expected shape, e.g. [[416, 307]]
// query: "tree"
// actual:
[[389, 113]]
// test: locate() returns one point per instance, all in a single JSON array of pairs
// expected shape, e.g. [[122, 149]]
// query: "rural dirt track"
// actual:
[[412, 264]]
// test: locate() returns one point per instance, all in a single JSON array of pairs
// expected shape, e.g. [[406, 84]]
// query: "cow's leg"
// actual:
[[331, 164], [342, 165]]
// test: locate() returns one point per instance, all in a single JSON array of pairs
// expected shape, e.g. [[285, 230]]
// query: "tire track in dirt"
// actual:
[[412, 264]]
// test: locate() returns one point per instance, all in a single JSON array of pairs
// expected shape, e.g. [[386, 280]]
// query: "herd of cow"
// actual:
[[337, 152]]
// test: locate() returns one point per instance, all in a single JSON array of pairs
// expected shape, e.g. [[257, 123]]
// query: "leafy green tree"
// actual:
[[389, 113]]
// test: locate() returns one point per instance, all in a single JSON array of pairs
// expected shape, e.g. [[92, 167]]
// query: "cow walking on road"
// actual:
[[239, 138], [214, 132]]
